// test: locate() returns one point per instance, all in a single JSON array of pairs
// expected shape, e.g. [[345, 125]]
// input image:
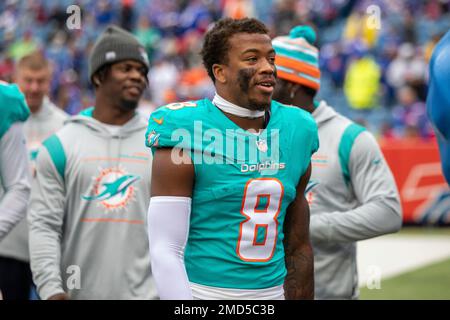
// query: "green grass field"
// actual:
[[430, 282], [424, 231]]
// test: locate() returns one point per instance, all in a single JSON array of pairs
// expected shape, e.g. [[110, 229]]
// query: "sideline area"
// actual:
[[394, 259]]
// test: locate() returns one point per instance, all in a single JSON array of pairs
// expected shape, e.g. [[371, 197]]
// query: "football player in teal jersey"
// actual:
[[228, 218]]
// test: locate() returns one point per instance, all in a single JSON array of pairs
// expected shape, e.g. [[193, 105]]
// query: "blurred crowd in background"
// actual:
[[375, 72]]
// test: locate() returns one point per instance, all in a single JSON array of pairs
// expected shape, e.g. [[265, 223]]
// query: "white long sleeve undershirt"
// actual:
[[168, 230]]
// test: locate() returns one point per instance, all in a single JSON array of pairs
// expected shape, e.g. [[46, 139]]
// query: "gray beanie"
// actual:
[[113, 45]]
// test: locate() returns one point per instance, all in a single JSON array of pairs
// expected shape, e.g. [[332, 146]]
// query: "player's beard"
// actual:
[[128, 105], [244, 79]]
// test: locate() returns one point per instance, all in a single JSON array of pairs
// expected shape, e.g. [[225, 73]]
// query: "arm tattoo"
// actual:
[[299, 282]]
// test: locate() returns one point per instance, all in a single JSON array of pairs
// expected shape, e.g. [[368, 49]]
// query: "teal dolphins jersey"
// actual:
[[244, 183], [13, 107]]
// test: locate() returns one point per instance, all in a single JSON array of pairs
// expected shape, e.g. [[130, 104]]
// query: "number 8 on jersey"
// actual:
[[258, 232]]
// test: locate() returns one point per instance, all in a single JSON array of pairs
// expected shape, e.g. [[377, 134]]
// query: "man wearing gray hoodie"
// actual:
[[32, 75], [351, 193], [88, 212]]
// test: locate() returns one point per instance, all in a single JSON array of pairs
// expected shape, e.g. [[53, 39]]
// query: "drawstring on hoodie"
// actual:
[[119, 147]]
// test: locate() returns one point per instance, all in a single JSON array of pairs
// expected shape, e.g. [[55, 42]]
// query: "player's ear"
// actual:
[[219, 73], [96, 80], [292, 89]]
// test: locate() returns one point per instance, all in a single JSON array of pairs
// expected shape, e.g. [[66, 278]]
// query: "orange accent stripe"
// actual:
[[319, 157], [258, 203], [140, 154], [320, 165], [112, 220], [115, 159], [297, 65], [297, 79], [255, 234]]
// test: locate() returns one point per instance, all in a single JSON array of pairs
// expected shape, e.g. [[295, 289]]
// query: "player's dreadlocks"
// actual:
[[216, 45]]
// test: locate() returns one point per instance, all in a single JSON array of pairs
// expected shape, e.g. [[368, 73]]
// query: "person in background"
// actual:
[[32, 75], [438, 100], [14, 181], [409, 118], [362, 79], [91, 191], [352, 193]]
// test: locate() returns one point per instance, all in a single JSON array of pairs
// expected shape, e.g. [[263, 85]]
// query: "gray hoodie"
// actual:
[[352, 196], [88, 210], [38, 127]]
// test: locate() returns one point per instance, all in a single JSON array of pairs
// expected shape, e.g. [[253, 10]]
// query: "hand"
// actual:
[[59, 296]]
